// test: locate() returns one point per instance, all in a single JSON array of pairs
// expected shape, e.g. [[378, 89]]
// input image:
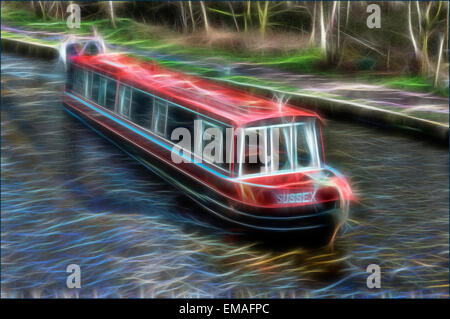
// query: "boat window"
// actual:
[[91, 48], [179, 117], [103, 82], [255, 151], [78, 80], [142, 109], [304, 144], [160, 117], [214, 144], [87, 79], [95, 87], [280, 148], [111, 87], [282, 158], [70, 76], [125, 101]]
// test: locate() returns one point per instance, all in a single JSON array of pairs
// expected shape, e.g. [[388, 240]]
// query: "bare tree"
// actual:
[[234, 15], [192, 15], [247, 15], [183, 16], [411, 33], [313, 26], [263, 16], [347, 14], [428, 23], [43, 10], [448, 12], [436, 77], [112, 14], [323, 32], [205, 17]]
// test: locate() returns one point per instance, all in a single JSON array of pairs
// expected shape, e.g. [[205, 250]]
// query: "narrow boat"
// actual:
[[266, 172]]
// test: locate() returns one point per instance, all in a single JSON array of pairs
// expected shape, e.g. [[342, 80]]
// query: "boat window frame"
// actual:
[[293, 161], [317, 150], [223, 142], [87, 86], [78, 86], [149, 128], [242, 146], [155, 117], [291, 146], [102, 88], [102, 76], [120, 101]]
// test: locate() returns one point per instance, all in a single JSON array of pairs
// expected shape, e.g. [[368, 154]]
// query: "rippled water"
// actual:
[[69, 196]]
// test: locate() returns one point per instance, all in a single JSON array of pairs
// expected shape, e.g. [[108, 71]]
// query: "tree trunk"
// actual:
[[183, 16], [436, 77], [234, 16], [424, 67], [313, 26], [348, 13], [338, 43], [323, 33], [205, 17], [111, 14], [332, 45], [262, 13], [446, 37], [388, 58], [44, 16], [419, 16], [248, 14], [192, 15], [411, 33]]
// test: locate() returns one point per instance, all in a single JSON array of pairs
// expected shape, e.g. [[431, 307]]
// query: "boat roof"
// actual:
[[219, 101]]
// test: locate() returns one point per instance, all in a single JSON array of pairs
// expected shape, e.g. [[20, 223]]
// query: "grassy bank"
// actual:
[[145, 37]]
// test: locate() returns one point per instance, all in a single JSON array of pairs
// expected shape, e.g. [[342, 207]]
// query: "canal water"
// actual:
[[70, 197]]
